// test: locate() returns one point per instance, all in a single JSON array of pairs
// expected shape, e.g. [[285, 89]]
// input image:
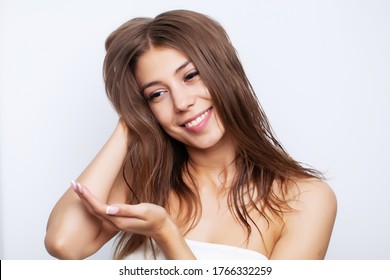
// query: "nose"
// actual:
[[183, 99]]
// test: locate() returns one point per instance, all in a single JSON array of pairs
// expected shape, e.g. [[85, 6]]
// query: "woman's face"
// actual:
[[178, 98]]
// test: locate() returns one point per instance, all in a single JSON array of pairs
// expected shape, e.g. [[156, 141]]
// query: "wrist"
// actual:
[[167, 231], [172, 243]]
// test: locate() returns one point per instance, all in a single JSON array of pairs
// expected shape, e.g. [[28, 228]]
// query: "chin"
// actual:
[[209, 143]]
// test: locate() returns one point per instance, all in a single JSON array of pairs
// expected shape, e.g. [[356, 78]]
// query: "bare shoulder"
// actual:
[[313, 199], [314, 195], [308, 227], [313, 192]]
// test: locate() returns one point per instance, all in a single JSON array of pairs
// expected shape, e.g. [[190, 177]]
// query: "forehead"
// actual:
[[158, 61]]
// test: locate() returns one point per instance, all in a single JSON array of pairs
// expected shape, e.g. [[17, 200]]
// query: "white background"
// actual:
[[320, 68]]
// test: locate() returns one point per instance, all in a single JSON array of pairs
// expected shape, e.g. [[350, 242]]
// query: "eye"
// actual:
[[191, 75], [155, 95]]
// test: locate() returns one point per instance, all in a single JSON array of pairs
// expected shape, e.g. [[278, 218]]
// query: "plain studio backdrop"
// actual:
[[321, 70]]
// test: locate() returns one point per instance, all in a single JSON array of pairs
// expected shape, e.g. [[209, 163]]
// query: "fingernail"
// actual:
[[79, 188], [112, 210], [73, 184]]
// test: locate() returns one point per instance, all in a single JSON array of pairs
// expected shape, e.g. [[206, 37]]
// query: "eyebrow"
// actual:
[[150, 84], [181, 67]]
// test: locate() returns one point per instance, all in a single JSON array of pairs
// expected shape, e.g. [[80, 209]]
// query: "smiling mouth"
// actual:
[[199, 119]]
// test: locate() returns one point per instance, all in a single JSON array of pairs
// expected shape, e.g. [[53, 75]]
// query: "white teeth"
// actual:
[[197, 120]]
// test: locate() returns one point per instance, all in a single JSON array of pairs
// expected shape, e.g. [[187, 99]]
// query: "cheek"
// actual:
[[205, 92], [162, 115]]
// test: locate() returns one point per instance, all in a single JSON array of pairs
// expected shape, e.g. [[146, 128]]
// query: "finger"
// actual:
[[142, 211], [92, 204], [112, 209], [98, 208], [126, 210], [129, 224], [78, 191], [73, 185], [95, 204], [122, 218], [121, 210], [132, 218], [144, 218]]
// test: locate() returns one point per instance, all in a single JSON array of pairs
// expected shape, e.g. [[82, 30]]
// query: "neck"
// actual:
[[214, 166]]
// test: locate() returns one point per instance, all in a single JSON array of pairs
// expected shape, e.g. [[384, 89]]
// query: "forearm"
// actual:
[[72, 232], [102, 172]]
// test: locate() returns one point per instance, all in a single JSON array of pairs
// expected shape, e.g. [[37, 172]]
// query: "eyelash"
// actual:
[[191, 75], [158, 93], [155, 94]]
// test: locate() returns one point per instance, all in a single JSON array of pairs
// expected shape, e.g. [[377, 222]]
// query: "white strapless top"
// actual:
[[202, 251]]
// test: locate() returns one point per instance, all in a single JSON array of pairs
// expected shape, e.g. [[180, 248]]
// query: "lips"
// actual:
[[198, 122]]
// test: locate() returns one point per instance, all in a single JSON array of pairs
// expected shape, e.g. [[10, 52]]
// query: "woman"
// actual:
[[193, 169]]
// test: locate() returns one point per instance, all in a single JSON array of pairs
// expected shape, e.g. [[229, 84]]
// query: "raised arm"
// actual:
[[307, 230], [72, 232]]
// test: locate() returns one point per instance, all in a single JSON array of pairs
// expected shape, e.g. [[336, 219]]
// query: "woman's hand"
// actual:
[[144, 218]]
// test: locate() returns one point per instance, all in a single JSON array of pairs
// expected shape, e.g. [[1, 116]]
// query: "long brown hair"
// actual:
[[155, 163]]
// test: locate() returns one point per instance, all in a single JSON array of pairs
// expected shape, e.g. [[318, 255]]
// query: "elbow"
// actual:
[[60, 249]]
